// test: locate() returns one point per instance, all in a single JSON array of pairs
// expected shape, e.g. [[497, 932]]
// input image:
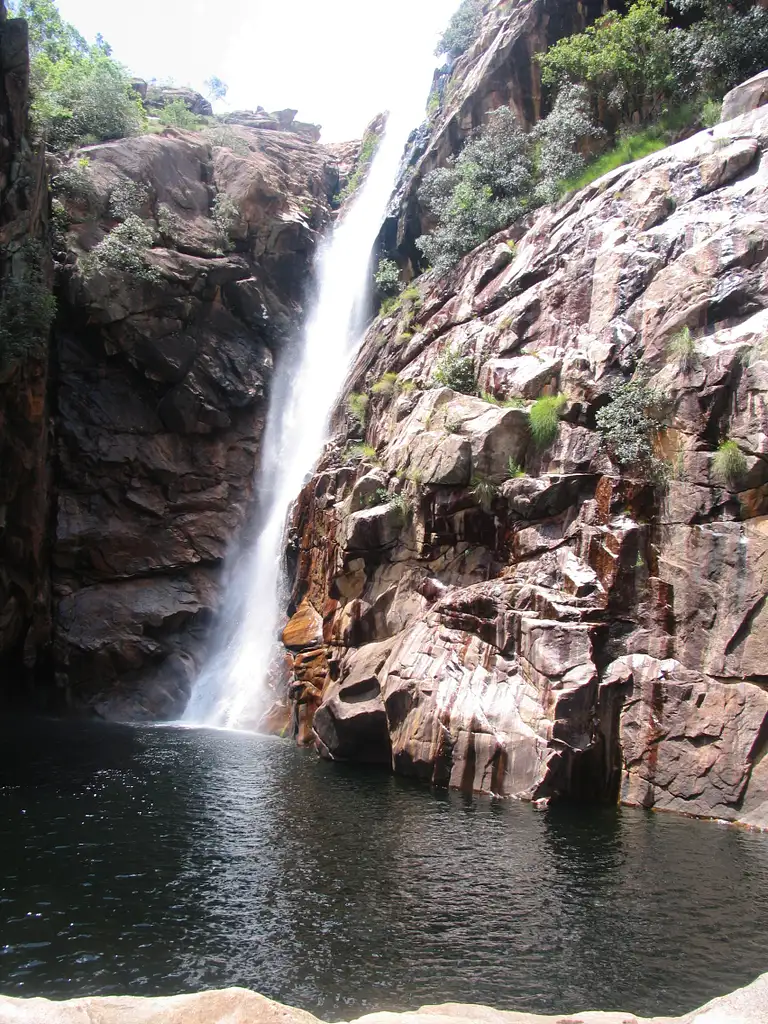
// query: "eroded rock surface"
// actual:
[[541, 622], [163, 381]]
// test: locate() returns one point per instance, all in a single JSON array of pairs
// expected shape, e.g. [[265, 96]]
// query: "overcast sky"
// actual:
[[338, 62]]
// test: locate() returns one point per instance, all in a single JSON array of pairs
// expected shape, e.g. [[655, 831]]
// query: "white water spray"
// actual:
[[231, 690]]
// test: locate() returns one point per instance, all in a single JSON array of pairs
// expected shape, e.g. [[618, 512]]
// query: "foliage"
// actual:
[[544, 419], [387, 277], [483, 491], [169, 223], [400, 504], [682, 350], [225, 215], [27, 308], [462, 29], [726, 44], [628, 149], [625, 62], [559, 136], [390, 305], [78, 91], [215, 88], [729, 463], [514, 402], [368, 148], [455, 371], [411, 297], [127, 197], [74, 183], [227, 138], [357, 406], [484, 189], [628, 423], [124, 249], [357, 452], [176, 115], [514, 471], [711, 113], [385, 386]]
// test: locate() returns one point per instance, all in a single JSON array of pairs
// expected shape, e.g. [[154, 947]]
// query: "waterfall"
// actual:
[[231, 690]]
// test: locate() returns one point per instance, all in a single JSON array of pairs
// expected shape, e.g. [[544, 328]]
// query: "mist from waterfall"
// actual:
[[231, 691]]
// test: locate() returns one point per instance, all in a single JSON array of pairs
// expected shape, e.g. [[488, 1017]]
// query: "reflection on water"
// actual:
[[156, 860]]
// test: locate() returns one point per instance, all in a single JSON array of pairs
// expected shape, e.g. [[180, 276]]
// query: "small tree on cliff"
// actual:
[[624, 61], [79, 92], [484, 189], [462, 29]]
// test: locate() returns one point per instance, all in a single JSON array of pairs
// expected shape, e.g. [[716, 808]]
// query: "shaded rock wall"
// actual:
[[539, 622], [162, 394], [24, 477]]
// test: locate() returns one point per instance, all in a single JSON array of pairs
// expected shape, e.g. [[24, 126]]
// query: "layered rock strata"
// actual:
[[538, 622]]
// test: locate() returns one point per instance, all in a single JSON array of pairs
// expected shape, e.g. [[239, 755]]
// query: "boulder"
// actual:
[[746, 97]]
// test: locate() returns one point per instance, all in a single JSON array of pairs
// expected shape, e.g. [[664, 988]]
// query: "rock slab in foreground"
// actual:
[[747, 1005]]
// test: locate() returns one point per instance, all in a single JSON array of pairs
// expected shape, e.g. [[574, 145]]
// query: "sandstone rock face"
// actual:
[[745, 97], [747, 1005], [163, 380], [499, 68], [541, 622], [24, 412]]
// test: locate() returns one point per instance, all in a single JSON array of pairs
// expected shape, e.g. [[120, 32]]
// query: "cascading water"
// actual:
[[231, 687]]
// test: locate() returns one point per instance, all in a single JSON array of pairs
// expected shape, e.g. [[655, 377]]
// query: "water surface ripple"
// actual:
[[156, 860]]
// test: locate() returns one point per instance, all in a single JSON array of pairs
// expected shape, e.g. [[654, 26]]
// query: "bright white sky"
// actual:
[[339, 62]]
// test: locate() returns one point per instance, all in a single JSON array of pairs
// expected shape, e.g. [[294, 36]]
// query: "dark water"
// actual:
[[150, 861]]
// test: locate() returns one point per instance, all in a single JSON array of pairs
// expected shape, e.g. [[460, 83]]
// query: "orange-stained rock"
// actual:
[[304, 629]]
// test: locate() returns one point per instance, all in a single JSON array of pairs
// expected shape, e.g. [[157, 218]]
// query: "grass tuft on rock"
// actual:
[[682, 350], [544, 419], [729, 464]]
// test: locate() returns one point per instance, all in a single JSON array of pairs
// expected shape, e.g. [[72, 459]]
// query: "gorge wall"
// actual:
[[539, 622], [24, 437]]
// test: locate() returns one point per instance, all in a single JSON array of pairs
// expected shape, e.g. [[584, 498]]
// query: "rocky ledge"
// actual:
[[543, 621], [239, 1006]]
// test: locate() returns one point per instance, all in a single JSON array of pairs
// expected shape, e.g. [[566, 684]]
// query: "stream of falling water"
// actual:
[[231, 690]]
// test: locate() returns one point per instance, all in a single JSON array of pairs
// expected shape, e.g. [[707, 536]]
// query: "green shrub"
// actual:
[[224, 137], [410, 297], [462, 29], [560, 137], [225, 215], [74, 183], [711, 113], [682, 350], [386, 385], [368, 149], [127, 197], [729, 464], [544, 419], [629, 422], [487, 187], [27, 309], [125, 249], [387, 278], [358, 452], [484, 492], [400, 504], [726, 44], [625, 62], [357, 407], [390, 306], [176, 115], [514, 471], [455, 371], [169, 223]]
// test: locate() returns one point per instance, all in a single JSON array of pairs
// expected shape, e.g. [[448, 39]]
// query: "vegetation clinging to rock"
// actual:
[[455, 371], [80, 93], [544, 419], [729, 465], [387, 277], [27, 308], [628, 424], [124, 249], [462, 29]]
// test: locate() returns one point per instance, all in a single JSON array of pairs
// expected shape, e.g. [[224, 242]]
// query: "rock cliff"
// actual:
[[163, 376], [24, 445], [540, 622]]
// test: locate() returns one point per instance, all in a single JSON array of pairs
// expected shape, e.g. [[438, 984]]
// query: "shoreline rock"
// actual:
[[748, 1005]]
